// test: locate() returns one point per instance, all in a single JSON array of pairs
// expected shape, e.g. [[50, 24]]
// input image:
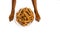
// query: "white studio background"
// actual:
[[47, 29]]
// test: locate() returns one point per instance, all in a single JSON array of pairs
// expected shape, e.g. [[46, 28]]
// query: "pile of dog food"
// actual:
[[24, 16]]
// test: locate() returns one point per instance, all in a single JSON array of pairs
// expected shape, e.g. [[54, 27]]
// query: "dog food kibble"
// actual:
[[24, 16]]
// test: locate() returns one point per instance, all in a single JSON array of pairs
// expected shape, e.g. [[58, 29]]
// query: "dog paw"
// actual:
[[11, 17], [37, 16]]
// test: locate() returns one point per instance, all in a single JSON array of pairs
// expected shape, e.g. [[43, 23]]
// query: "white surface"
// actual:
[[47, 29]]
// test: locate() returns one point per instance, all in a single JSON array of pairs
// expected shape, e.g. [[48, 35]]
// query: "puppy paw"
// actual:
[[11, 17]]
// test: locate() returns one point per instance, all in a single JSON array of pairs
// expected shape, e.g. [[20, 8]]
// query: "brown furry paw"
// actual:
[[11, 17], [37, 16]]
